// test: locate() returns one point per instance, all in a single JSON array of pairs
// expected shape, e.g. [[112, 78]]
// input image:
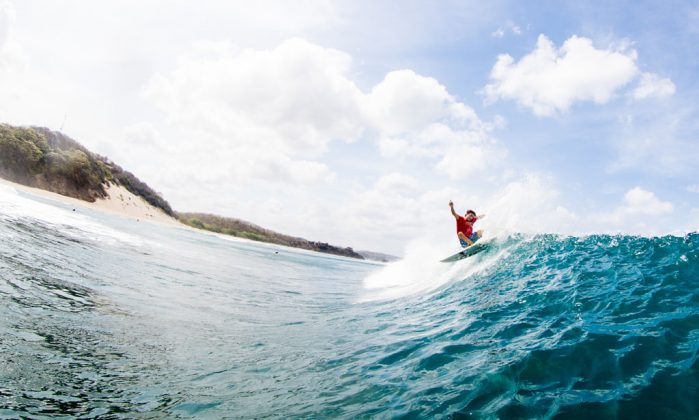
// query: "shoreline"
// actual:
[[119, 202]]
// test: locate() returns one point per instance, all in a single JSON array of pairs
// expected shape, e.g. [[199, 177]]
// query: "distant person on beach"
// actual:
[[464, 226]]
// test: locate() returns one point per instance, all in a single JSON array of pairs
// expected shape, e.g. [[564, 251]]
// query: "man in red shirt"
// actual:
[[464, 226]]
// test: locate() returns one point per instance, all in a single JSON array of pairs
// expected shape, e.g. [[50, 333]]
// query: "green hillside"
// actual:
[[39, 157]]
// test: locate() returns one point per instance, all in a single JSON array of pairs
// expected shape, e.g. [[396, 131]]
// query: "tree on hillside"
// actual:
[[21, 152]]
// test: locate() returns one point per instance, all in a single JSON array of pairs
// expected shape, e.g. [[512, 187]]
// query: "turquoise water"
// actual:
[[102, 317]]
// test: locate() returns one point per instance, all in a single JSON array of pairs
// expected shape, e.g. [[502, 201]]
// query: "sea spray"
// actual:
[[419, 271], [422, 271]]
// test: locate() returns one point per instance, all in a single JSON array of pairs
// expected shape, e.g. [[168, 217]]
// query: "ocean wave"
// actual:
[[537, 326]]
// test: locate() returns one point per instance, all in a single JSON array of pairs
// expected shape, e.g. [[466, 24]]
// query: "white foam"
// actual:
[[14, 205], [421, 271]]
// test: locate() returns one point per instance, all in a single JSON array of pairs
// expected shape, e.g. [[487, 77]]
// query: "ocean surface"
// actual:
[[103, 317]]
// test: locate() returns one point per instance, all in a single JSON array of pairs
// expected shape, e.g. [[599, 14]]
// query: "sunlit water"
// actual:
[[107, 317]]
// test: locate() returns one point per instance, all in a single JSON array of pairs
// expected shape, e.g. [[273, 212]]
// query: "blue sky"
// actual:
[[355, 122]]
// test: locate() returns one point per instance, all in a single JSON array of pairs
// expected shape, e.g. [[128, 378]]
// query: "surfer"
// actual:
[[464, 226]]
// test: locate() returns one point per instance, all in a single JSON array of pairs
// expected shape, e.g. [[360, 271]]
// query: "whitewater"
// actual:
[[105, 317]]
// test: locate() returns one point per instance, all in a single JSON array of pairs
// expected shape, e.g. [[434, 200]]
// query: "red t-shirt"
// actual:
[[464, 226]]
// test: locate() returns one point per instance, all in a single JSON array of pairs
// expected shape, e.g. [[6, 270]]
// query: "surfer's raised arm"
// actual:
[[451, 206]]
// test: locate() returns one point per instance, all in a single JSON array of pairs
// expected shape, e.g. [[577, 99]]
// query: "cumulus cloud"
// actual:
[[639, 201], [416, 117], [405, 101], [299, 92], [550, 79], [652, 85], [638, 213], [271, 112]]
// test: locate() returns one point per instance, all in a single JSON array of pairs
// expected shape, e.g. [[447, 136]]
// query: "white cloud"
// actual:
[[405, 102], [530, 204], [639, 213], [502, 31], [396, 209], [416, 117], [652, 85], [271, 115], [694, 188], [267, 114], [262, 120], [639, 201], [498, 33], [298, 94], [550, 80], [391, 200]]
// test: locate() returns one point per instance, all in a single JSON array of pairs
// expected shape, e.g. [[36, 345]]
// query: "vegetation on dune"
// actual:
[[45, 159], [243, 229]]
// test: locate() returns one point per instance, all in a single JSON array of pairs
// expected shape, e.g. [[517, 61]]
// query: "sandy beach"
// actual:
[[119, 201]]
